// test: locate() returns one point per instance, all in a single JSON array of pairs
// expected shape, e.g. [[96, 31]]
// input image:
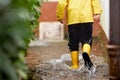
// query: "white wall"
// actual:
[[105, 17], [51, 31]]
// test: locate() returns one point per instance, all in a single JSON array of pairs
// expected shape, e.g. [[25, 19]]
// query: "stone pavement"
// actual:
[[50, 60]]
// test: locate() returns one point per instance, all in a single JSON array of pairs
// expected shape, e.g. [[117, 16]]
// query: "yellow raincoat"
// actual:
[[78, 11]]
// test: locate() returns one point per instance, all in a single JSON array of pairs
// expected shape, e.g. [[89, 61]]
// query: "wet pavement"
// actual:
[[50, 61]]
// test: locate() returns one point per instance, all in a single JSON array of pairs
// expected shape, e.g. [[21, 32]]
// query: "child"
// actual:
[[80, 17]]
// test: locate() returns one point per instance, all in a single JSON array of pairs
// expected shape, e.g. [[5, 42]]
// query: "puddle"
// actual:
[[57, 69]]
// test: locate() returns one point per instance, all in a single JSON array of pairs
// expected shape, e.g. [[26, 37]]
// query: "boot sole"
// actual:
[[87, 60]]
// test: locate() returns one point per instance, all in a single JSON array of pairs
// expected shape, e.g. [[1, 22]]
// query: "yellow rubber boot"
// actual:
[[86, 48], [75, 60]]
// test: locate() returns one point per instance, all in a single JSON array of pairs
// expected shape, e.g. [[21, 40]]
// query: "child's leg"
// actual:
[[74, 45], [87, 43]]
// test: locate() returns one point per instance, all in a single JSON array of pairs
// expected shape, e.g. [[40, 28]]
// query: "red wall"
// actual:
[[48, 12]]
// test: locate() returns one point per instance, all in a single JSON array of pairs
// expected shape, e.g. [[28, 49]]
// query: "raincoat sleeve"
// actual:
[[96, 7], [60, 8]]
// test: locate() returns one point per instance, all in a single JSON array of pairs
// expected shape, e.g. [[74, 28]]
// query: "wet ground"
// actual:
[[50, 60]]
